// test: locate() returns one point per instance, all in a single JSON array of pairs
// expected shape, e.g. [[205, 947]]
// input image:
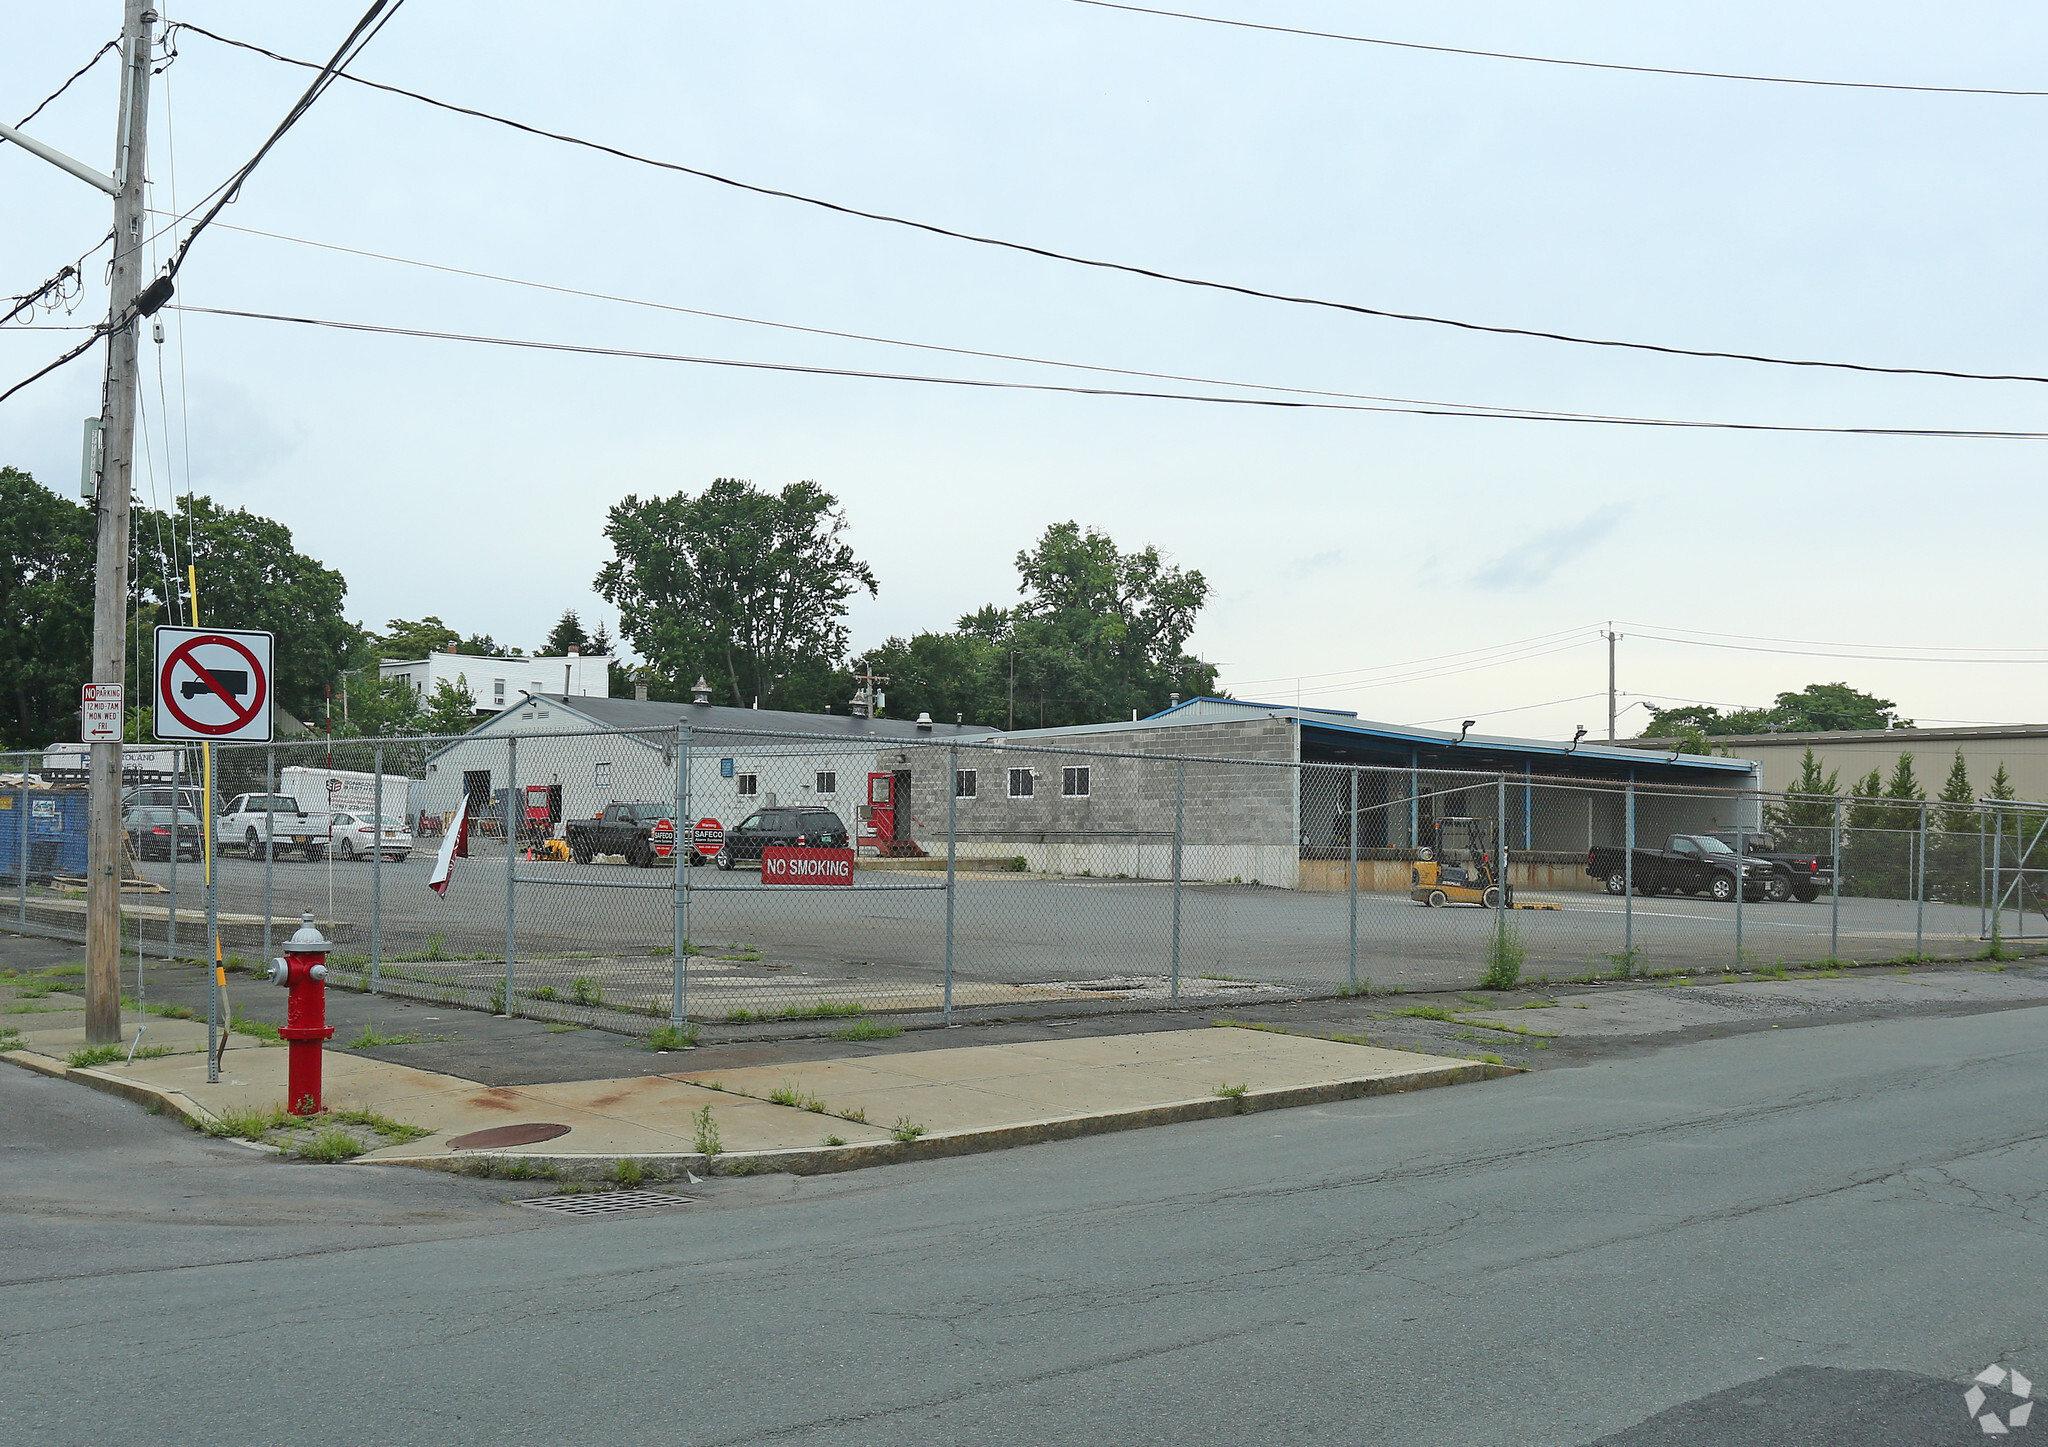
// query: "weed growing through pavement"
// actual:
[[833, 1140], [1359, 1039], [243, 1025], [1367, 987], [1505, 953], [10, 1039], [627, 1173], [328, 1147], [92, 1055], [672, 1037], [545, 992], [371, 1040], [1235, 1094], [1232, 978], [1428, 1012], [562, 1029], [905, 1130], [1626, 963], [868, 1030], [586, 991], [708, 1144]]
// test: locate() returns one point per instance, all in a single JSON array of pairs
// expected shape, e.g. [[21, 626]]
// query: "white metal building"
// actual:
[[493, 682]]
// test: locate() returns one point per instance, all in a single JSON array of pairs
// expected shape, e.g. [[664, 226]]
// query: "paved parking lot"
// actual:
[[1080, 936]]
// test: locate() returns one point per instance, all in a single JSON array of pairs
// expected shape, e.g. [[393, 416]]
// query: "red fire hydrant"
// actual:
[[303, 971]]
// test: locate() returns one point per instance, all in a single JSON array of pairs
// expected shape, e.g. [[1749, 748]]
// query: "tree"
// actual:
[[449, 709], [1952, 853], [745, 587], [1099, 633], [408, 640], [1816, 708], [1806, 807], [567, 634], [46, 574]]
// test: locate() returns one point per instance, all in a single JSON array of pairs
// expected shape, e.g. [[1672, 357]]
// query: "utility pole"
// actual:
[[1611, 637], [110, 593]]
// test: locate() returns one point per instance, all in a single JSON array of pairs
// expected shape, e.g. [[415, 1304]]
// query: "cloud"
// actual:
[[1532, 563]]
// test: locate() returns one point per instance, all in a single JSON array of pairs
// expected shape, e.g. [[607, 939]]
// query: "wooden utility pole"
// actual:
[[1612, 636], [111, 505]]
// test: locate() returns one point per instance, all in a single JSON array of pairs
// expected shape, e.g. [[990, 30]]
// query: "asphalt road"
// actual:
[[1790, 1236], [1031, 930]]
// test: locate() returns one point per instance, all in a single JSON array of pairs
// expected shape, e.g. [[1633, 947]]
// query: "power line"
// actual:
[[1558, 60], [1823, 653], [1518, 708], [890, 341], [1130, 269], [114, 44], [994, 385], [1413, 662], [1812, 643]]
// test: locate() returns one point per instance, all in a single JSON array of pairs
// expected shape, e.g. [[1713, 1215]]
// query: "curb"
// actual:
[[826, 1160], [171, 1102]]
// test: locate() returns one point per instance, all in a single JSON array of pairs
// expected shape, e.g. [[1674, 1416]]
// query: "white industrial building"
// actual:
[[495, 682]]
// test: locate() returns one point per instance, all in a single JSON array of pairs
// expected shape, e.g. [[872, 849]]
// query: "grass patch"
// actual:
[[868, 1030], [562, 1029], [371, 1040], [673, 1037], [35, 1010], [545, 992], [394, 1131], [243, 1025], [1428, 1012], [823, 1010], [56, 972], [436, 950], [746, 1168], [328, 1147], [1487, 1059], [1232, 978], [92, 1055], [249, 1125], [905, 1130], [706, 1130], [10, 1039]]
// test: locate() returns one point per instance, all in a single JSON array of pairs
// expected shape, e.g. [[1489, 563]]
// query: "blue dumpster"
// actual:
[[56, 832]]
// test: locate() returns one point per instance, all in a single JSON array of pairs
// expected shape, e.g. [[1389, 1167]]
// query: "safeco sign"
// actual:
[[780, 865]]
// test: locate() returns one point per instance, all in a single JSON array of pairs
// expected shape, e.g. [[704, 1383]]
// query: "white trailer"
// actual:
[[329, 791]]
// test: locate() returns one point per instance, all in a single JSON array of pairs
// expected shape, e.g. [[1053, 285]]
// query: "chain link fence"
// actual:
[[637, 879]]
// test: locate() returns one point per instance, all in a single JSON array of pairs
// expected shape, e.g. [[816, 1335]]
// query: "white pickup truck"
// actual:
[[250, 821]]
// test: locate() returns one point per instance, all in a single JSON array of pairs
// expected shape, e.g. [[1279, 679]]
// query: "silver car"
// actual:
[[354, 836]]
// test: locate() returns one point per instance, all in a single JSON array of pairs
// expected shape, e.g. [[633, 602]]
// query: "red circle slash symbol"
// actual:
[[242, 717]]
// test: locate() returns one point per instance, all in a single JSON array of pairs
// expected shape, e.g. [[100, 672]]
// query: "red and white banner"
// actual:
[[453, 847], [783, 865]]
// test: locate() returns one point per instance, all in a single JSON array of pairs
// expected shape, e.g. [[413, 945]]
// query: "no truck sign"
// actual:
[[213, 684]]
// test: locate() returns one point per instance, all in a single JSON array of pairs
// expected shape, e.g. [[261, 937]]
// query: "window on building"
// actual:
[[603, 778], [828, 782], [498, 689], [964, 783], [1074, 782], [748, 784], [1020, 783]]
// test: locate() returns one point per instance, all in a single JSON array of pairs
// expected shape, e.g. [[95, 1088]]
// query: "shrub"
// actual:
[[1504, 956]]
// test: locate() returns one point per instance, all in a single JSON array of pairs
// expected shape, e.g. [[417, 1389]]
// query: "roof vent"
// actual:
[[700, 692], [1173, 700], [924, 721], [575, 653], [640, 690]]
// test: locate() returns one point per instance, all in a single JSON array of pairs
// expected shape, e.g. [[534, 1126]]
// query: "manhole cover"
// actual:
[[599, 1203], [500, 1136]]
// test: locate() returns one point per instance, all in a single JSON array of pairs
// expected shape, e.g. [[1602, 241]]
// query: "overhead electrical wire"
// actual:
[[1127, 268], [1465, 653], [1288, 403], [1482, 713], [115, 44], [1560, 60], [2041, 655]]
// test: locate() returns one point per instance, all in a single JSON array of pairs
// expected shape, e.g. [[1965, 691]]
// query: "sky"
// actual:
[[1417, 569]]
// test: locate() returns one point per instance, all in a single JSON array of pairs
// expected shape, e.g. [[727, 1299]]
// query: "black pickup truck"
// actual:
[[635, 830], [1687, 864], [1805, 876]]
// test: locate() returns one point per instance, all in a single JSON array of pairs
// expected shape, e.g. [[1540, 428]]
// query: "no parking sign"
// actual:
[[213, 684]]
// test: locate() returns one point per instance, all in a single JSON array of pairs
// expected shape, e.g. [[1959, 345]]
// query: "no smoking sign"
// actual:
[[213, 684]]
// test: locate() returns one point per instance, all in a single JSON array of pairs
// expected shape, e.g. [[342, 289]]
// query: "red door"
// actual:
[[881, 808]]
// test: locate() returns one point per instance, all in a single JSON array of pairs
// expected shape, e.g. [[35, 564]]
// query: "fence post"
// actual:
[[1180, 795], [1500, 847], [1835, 887], [1628, 881], [1741, 881], [21, 858], [1353, 885], [679, 988], [269, 836], [952, 841], [177, 823], [1920, 888], [511, 863], [376, 859], [1997, 881]]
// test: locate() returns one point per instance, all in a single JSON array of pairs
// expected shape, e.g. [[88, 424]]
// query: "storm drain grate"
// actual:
[[600, 1203]]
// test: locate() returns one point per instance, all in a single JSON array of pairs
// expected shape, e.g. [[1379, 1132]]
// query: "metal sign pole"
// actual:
[[21, 858], [177, 829], [214, 1024], [1741, 878], [679, 993], [269, 846], [1628, 881], [952, 851]]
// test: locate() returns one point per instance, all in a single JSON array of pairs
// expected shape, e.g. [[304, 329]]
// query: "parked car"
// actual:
[[1805, 876], [628, 828], [355, 836], [1687, 864], [154, 795], [149, 830], [252, 821], [812, 827]]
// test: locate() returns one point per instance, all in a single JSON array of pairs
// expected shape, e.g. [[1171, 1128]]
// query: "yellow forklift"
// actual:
[[1460, 866]]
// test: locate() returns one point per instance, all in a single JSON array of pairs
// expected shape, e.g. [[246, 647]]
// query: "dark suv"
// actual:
[[801, 828]]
